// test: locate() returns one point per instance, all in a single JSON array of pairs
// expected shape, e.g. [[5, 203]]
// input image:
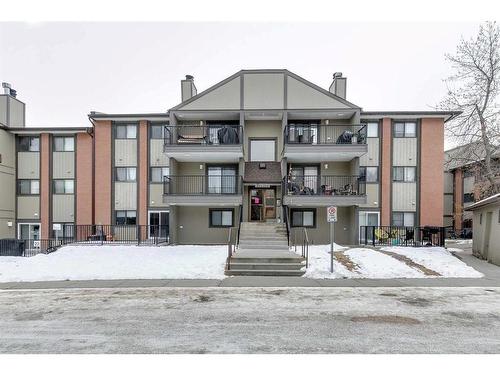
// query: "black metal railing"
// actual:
[[301, 242], [202, 185], [402, 236], [231, 247], [28, 248], [203, 135], [286, 220], [324, 185], [338, 134], [240, 220]]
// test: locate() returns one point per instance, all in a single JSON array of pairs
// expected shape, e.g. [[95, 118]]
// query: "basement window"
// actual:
[[220, 218]]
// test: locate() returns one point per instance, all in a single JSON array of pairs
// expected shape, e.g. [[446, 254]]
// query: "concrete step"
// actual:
[[260, 247], [251, 259], [264, 241], [266, 266], [251, 272]]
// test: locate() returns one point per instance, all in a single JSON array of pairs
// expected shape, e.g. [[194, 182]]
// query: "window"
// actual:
[[304, 176], [158, 173], [28, 187], [157, 130], [221, 217], [404, 174], [372, 129], [125, 217], [125, 174], [368, 174], [27, 143], [222, 179], [262, 150], [403, 219], [126, 131], [64, 144], [64, 187], [66, 231], [303, 217], [405, 129], [468, 197]]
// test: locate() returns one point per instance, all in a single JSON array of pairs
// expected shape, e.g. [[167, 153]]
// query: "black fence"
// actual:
[[88, 234], [325, 134], [402, 236], [324, 185], [203, 185], [203, 135]]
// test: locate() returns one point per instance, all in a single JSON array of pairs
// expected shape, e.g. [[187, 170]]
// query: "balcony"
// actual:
[[334, 142], [321, 191], [203, 190], [204, 143]]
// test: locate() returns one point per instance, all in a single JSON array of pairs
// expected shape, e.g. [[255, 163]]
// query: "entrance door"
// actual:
[[367, 219], [158, 224], [30, 232], [262, 204]]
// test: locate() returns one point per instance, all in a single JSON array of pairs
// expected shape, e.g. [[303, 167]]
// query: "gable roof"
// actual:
[[249, 89], [468, 154]]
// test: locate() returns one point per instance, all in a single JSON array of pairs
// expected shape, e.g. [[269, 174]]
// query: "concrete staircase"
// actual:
[[263, 251]]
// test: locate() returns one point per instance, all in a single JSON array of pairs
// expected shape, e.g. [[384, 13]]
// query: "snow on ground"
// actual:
[[437, 259], [117, 262], [376, 265]]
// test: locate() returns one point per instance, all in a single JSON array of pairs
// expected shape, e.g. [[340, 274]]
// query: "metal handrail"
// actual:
[[203, 135], [287, 223], [305, 247], [239, 227], [202, 185], [318, 134], [229, 249], [324, 185]]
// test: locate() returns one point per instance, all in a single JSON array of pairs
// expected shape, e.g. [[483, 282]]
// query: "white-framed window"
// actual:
[[403, 219], [64, 186], [126, 174], [220, 218], [157, 174], [404, 174], [372, 129], [126, 131], [303, 217], [405, 129], [64, 144], [368, 174]]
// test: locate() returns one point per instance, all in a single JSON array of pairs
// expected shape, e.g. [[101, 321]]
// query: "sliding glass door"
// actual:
[[222, 180]]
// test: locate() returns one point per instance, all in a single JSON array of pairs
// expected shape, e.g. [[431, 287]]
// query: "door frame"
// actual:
[[271, 187], [30, 240], [366, 212], [158, 212]]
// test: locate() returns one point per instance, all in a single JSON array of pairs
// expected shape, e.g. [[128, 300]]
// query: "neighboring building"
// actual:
[[462, 176], [260, 145], [486, 235]]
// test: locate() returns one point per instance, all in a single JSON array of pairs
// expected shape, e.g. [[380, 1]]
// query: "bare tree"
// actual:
[[473, 89]]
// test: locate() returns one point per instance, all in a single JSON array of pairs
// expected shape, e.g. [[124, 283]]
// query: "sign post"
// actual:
[[331, 217]]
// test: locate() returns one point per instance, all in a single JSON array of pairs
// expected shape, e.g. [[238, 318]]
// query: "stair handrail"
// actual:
[[239, 227], [287, 223], [305, 247], [229, 249]]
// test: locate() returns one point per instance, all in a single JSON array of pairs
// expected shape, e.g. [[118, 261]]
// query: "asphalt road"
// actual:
[[251, 320]]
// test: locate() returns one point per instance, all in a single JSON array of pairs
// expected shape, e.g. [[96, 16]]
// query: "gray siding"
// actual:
[[372, 196], [448, 204], [405, 152], [224, 97], [371, 158], [263, 129], [63, 208], [125, 152], [16, 113], [63, 165], [302, 96], [404, 196], [156, 195], [125, 196], [7, 184], [28, 165], [28, 207], [263, 91], [468, 184], [157, 156], [448, 182], [3, 110]]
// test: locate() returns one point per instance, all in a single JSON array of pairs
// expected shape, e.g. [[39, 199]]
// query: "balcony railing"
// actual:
[[333, 134], [203, 135], [324, 185], [203, 185]]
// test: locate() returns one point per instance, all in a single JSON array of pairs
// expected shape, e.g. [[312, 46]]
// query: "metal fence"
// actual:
[[88, 234], [203, 135], [402, 236], [324, 185], [325, 134], [203, 185]]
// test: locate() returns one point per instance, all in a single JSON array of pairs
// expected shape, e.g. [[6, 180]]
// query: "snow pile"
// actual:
[[437, 259], [374, 264], [118, 262]]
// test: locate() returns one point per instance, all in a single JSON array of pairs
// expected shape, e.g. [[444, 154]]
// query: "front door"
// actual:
[[262, 204], [29, 232], [158, 224], [367, 219]]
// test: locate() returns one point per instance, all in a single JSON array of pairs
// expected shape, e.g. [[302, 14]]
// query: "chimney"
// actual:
[[338, 86], [188, 89], [8, 90]]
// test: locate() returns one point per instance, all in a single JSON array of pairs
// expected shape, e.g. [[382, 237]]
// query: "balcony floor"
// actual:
[[323, 152]]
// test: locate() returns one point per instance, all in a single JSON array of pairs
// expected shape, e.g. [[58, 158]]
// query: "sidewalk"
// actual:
[[491, 279]]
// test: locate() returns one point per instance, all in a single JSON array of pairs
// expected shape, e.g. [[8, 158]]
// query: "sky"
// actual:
[[62, 71]]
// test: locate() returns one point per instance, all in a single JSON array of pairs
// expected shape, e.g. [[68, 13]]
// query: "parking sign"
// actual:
[[331, 214]]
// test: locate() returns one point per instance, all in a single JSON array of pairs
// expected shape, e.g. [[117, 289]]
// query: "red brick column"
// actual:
[[142, 204], [45, 190], [385, 173], [431, 171], [458, 195], [84, 179], [103, 170]]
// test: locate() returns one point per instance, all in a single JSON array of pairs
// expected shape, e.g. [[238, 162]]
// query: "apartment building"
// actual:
[[261, 145], [463, 174]]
